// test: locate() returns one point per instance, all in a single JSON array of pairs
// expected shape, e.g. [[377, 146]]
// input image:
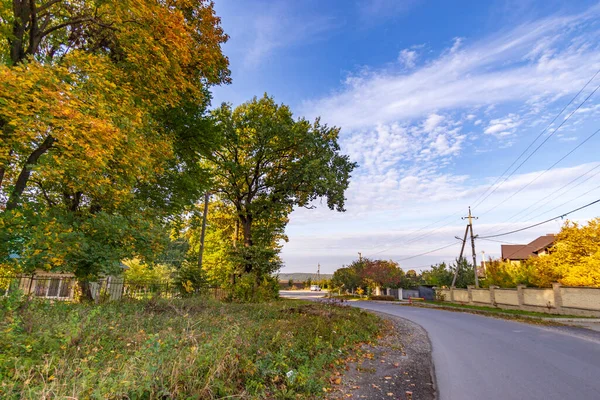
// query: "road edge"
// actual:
[[432, 371]]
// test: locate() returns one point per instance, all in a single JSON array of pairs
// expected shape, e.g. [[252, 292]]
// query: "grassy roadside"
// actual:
[[498, 311], [186, 348]]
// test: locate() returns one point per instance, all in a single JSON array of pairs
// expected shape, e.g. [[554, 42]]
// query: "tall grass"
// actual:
[[160, 349]]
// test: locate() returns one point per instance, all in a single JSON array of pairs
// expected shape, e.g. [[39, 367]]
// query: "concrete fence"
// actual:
[[584, 301]]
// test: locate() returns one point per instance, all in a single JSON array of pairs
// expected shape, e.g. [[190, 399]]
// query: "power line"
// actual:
[[415, 238], [478, 201], [566, 202], [541, 223], [497, 241], [543, 172], [549, 197], [427, 252]]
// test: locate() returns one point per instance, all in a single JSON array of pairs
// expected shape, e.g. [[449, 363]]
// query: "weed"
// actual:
[[181, 348]]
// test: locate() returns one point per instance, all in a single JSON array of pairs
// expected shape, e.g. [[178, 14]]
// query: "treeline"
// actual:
[[573, 260], [367, 274], [108, 146]]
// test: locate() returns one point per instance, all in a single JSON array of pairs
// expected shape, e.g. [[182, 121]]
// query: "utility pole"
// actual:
[[471, 218], [469, 229], [359, 256], [460, 257], [319, 273], [203, 233]]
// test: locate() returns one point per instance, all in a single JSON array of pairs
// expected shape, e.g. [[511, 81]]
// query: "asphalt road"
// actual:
[[478, 357]]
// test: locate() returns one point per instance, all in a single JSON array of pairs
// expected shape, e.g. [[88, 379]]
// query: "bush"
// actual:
[[384, 298], [251, 289]]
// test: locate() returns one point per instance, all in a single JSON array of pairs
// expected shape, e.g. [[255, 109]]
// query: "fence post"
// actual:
[[521, 295], [557, 296], [30, 284], [493, 295], [469, 291]]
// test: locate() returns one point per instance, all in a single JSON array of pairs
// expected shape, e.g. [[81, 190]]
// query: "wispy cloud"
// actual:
[[408, 58], [520, 65], [266, 27], [281, 28]]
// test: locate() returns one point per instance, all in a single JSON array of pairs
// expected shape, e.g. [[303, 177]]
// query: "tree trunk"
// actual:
[[2, 171], [23, 178], [22, 13], [86, 291], [203, 233], [247, 230], [246, 221]]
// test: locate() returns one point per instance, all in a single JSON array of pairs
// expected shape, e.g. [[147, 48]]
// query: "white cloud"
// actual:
[[257, 32], [432, 122], [491, 71], [281, 29], [502, 127], [408, 58], [458, 41], [383, 236]]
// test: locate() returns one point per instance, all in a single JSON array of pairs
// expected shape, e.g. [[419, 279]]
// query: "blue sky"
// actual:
[[435, 99]]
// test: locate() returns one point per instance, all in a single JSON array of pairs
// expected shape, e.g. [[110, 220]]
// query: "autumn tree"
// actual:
[[381, 273], [574, 259], [94, 101], [267, 164], [368, 273]]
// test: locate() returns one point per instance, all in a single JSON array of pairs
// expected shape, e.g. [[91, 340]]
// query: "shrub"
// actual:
[[251, 289], [382, 297]]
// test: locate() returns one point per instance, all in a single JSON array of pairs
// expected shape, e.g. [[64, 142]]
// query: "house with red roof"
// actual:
[[520, 252]]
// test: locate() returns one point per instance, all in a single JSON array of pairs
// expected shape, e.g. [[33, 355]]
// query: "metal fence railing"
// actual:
[[66, 287]]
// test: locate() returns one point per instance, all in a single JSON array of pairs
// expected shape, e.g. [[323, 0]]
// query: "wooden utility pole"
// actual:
[[203, 233], [359, 256], [319, 273]]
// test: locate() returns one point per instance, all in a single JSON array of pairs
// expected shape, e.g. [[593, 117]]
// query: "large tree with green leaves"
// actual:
[[270, 162], [101, 123]]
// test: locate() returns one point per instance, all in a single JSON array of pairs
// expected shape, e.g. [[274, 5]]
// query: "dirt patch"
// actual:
[[398, 366]]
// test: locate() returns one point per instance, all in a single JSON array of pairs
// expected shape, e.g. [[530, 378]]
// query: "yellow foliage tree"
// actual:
[[574, 260]]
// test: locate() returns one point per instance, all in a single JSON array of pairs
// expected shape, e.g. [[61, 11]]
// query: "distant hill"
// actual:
[[301, 276]]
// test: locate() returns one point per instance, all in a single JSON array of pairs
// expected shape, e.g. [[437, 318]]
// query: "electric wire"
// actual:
[[540, 223], [477, 201]]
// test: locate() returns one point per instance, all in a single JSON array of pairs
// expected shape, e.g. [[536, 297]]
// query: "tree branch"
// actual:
[[45, 194], [23, 178], [65, 24]]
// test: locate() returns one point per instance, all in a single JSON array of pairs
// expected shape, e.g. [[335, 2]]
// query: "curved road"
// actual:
[[478, 357]]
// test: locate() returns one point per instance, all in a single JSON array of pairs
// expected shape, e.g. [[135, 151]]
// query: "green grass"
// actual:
[[187, 348], [494, 310]]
